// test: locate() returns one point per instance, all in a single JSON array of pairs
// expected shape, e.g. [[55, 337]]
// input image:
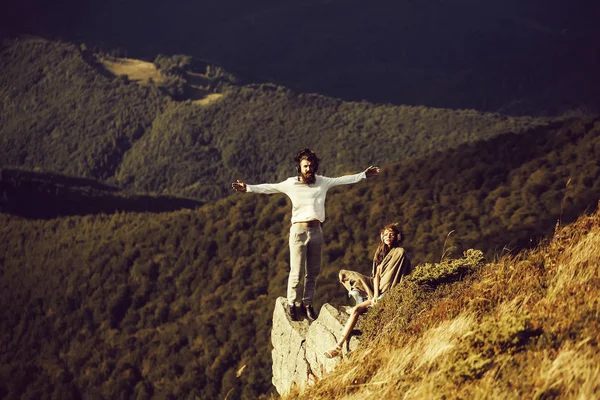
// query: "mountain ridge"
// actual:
[[74, 118]]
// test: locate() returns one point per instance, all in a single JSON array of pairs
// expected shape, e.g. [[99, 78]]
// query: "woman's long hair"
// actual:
[[383, 249]]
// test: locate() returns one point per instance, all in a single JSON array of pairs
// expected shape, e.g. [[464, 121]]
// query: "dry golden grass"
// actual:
[[527, 326], [573, 372], [136, 70]]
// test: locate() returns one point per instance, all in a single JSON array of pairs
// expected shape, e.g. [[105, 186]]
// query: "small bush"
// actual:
[[448, 270]]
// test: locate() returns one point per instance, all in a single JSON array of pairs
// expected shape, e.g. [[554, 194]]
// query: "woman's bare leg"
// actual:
[[356, 311]]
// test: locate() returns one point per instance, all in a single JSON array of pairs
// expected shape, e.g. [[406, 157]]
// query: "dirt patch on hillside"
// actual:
[[209, 99], [198, 86], [136, 70]]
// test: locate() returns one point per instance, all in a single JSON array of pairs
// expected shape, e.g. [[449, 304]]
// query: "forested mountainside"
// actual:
[[62, 111], [174, 303]]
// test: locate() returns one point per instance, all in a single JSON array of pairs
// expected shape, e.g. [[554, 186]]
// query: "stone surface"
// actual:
[[298, 347]]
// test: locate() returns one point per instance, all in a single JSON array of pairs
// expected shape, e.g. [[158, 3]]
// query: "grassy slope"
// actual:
[[522, 327], [145, 303], [60, 112]]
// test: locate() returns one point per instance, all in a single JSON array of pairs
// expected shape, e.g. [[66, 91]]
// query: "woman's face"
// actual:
[[389, 237]]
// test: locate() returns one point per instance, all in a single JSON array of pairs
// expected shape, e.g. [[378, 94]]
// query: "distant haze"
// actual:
[[533, 57]]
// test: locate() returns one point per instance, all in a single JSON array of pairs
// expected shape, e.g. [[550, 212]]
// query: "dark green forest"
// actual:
[[171, 304], [50, 195], [61, 111]]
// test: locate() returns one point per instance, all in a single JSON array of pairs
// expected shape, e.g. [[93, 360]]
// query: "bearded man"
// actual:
[[307, 193]]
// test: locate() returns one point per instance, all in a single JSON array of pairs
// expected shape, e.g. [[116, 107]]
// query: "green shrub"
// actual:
[[447, 271]]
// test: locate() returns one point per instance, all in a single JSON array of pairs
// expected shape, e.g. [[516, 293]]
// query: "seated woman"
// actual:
[[390, 264]]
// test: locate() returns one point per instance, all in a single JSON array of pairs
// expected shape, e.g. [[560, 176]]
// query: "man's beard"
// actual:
[[309, 178]]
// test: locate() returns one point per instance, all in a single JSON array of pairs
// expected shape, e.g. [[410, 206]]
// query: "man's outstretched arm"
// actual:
[[350, 179], [264, 188]]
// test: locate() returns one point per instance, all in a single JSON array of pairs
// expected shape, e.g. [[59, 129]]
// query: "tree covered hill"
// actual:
[[173, 304], [60, 111]]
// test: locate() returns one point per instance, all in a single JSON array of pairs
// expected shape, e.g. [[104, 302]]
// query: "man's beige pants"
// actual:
[[305, 256]]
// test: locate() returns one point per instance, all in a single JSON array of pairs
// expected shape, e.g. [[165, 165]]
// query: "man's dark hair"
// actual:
[[307, 154]]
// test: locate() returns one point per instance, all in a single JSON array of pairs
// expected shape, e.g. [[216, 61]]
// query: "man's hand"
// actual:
[[239, 186], [372, 171]]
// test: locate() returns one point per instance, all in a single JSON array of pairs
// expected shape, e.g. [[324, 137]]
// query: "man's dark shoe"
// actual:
[[291, 310], [310, 312]]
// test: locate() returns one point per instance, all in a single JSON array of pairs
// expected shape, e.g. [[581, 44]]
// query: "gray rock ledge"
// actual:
[[298, 347]]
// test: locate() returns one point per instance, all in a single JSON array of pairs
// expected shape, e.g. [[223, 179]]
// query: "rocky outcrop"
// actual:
[[298, 346]]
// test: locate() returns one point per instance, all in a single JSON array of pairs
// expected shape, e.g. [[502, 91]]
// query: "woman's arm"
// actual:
[[376, 280]]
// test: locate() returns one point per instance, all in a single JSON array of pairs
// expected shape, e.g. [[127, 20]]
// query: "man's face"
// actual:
[[307, 171]]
